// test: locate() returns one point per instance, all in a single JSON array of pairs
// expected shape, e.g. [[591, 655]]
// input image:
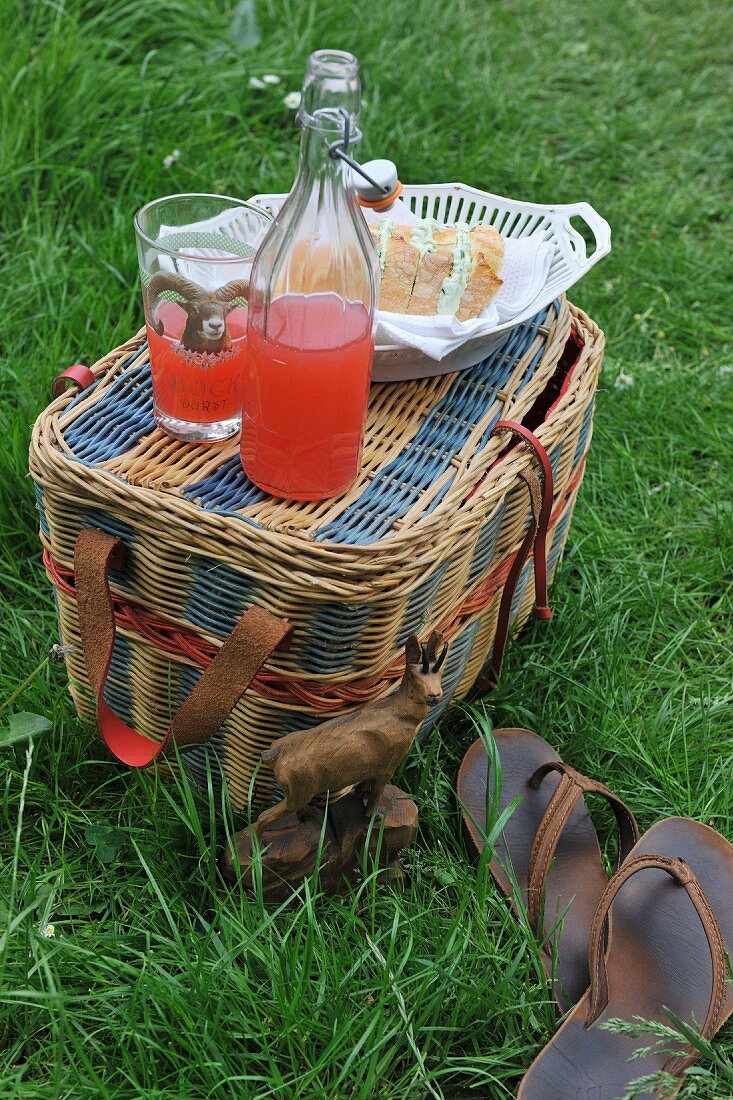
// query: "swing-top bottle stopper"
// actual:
[[384, 191]]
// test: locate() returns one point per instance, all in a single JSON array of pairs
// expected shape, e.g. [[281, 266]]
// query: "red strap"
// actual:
[[216, 692], [540, 514], [541, 608], [78, 374]]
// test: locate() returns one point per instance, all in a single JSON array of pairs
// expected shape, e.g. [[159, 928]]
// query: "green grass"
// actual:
[[158, 982]]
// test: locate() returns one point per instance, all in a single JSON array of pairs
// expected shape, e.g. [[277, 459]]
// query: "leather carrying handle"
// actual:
[[78, 375], [542, 508], [215, 694], [540, 496]]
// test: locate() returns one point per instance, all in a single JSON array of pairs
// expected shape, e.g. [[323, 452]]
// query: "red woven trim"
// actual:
[[183, 642]]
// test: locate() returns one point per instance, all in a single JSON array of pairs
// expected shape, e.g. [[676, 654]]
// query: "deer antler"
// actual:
[[439, 663], [237, 288]]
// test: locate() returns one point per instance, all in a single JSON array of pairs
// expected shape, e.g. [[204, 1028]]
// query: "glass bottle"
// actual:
[[313, 289]]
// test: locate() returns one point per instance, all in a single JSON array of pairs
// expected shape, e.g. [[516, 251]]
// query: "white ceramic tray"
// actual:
[[453, 202]]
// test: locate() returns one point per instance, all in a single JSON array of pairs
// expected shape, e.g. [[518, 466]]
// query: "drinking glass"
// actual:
[[195, 254]]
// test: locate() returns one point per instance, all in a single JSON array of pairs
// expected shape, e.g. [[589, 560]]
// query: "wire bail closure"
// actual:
[[339, 150]]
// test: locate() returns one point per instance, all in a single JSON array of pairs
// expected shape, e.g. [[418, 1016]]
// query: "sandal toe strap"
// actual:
[[571, 788], [685, 877]]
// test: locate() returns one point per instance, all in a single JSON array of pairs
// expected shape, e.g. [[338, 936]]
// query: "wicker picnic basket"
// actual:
[[462, 477]]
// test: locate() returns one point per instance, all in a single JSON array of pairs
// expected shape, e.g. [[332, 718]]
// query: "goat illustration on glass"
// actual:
[[205, 330], [196, 254]]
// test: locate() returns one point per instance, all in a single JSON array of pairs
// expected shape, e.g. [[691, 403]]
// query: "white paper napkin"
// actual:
[[526, 265]]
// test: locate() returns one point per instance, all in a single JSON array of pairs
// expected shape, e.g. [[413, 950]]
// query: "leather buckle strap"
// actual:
[[685, 877], [214, 695], [571, 788]]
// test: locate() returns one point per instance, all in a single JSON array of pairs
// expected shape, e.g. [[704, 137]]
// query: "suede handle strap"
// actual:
[[684, 876], [215, 694], [571, 788]]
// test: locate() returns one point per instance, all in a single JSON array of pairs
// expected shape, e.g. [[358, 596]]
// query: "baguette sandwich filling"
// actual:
[[385, 232], [453, 287], [433, 267], [428, 269], [422, 237]]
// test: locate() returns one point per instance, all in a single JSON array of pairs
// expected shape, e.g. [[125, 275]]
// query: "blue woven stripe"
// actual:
[[41, 509], [121, 530], [111, 524], [396, 487], [218, 595], [333, 638], [212, 755], [197, 759], [459, 654], [125, 410], [519, 591], [485, 545], [227, 489], [417, 612], [584, 432], [204, 760], [558, 540], [554, 456], [117, 691]]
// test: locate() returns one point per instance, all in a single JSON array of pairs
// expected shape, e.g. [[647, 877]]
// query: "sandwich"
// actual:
[[429, 269]]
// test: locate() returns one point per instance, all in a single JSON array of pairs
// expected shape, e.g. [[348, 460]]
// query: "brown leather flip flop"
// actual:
[[548, 848], [672, 927]]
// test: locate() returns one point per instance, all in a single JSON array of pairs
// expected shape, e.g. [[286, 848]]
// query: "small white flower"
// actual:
[[255, 82], [170, 160], [48, 932], [271, 78], [292, 100], [727, 368], [623, 381]]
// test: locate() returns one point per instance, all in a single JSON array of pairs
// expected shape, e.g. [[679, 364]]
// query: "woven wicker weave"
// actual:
[[424, 539]]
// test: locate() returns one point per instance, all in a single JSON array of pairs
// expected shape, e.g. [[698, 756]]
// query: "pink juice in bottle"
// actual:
[[305, 394], [201, 387]]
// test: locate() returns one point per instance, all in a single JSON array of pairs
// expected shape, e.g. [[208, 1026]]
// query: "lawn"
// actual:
[[157, 982]]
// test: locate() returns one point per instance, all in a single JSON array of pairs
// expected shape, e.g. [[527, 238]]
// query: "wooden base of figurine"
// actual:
[[290, 846]]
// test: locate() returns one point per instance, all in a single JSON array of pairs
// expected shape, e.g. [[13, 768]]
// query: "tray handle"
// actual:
[[598, 226]]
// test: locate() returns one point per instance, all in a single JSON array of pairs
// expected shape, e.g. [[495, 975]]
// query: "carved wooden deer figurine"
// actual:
[[363, 749]]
